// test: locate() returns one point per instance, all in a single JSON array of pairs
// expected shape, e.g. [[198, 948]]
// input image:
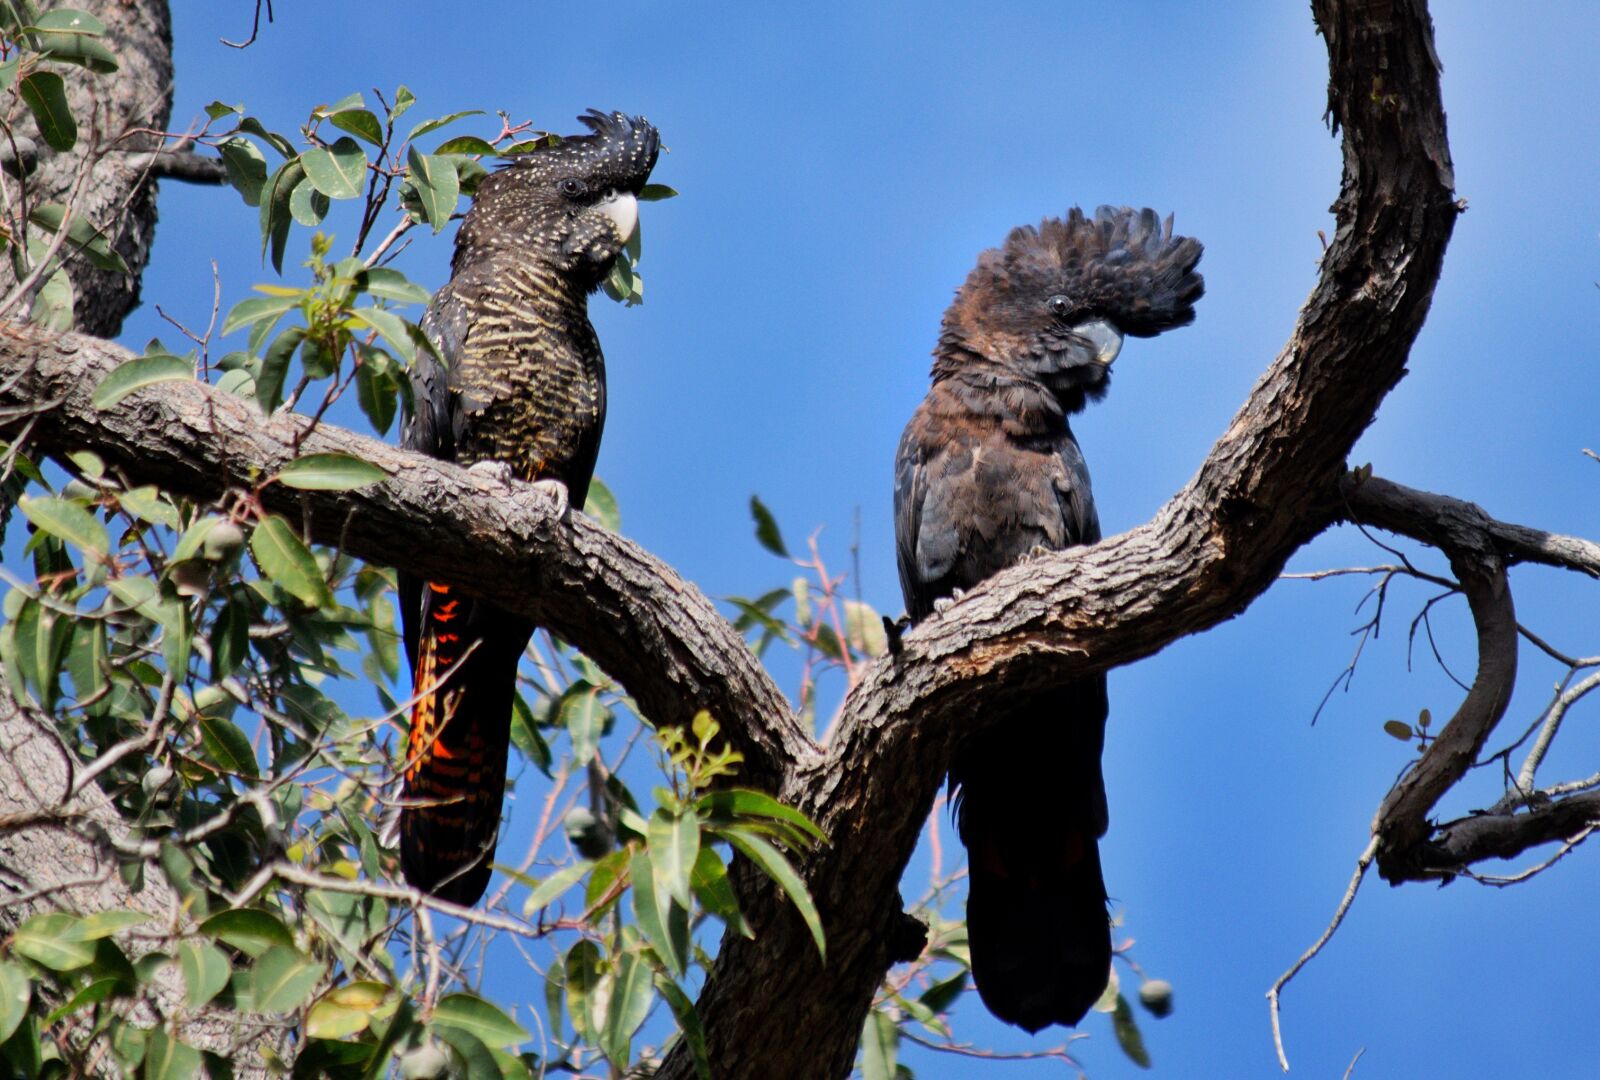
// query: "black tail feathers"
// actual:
[[1040, 941], [465, 670], [1031, 808]]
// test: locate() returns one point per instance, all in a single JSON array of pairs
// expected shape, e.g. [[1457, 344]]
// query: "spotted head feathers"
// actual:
[[572, 203]]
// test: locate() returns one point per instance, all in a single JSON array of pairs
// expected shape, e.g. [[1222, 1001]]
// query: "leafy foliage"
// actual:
[[199, 660]]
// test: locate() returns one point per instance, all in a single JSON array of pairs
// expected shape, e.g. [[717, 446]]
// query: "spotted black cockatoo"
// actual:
[[987, 472], [522, 388]]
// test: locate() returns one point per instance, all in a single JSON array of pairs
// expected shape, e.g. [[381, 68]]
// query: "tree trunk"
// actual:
[[117, 114]]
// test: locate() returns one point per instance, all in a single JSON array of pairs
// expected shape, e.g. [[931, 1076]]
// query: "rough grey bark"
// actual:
[[64, 861], [116, 114], [1274, 479]]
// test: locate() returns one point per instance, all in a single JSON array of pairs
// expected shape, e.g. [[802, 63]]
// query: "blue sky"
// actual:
[[841, 167]]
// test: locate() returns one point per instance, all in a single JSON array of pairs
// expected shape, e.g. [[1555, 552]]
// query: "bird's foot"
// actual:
[[942, 605], [494, 470], [556, 490], [1038, 551]]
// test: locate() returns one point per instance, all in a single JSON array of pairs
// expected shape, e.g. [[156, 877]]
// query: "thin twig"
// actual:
[[1502, 882], [1362, 865], [1552, 724]]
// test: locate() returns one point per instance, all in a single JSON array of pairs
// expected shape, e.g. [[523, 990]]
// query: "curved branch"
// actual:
[[1401, 824], [1443, 522], [652, 631]]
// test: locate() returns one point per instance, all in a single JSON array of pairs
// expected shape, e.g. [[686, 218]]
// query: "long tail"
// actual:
[[464, 655], [1031, 809]]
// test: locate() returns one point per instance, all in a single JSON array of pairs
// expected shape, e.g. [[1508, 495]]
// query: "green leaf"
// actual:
[[863, 626], [694, 1033], [53, 306], [710, 883], [136, 374], [656, 192], [103, 924], [249, 930], [553, 886], [329, 472], [165, 1058], [275, 214], [674, 846], [433, 125], [470, 1013], [15, 993], [438, 187], [205, 971], [391, 284], [338, 171], [775, 866], [45, 94], [581, 713], [602, 506], [767, 534], [880, 1043], [259, 308], [82, 236], [631, 998], [464, 144], [652, 909], [66, 21], [731, 804], [477, 1063], [275, 368], [345, 1010], [622, 284], [287, 562], [68, 36], [1399, 729], [67, 520], [52, 941], [308, 206], [284, 978], [247, 168], [581, 971], [282, 145], [390, 327], [941, 995], [1128, 1036], [227, 747], [360, 123]]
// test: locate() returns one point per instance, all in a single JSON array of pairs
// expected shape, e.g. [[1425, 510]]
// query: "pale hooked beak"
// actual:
[[623, 210], [1106, 339]]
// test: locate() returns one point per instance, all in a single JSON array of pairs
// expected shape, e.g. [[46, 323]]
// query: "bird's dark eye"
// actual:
[[1059, 306], [573, 188]]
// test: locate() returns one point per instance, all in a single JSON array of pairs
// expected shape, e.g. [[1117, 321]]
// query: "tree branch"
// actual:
[[653, 632]]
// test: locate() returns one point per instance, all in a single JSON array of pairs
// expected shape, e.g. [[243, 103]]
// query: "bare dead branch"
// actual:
[[1349, 897]]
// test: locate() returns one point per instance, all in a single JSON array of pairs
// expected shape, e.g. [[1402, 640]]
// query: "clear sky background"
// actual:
[[841, 167]]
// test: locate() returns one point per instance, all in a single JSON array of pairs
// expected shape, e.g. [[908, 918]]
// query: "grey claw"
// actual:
[[495, 470], [556, 490]]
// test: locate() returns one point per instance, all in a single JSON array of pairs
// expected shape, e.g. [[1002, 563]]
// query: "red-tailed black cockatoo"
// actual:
[[988, 472]]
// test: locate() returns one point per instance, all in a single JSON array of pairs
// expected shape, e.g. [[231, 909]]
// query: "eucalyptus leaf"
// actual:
[[136, 374]]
